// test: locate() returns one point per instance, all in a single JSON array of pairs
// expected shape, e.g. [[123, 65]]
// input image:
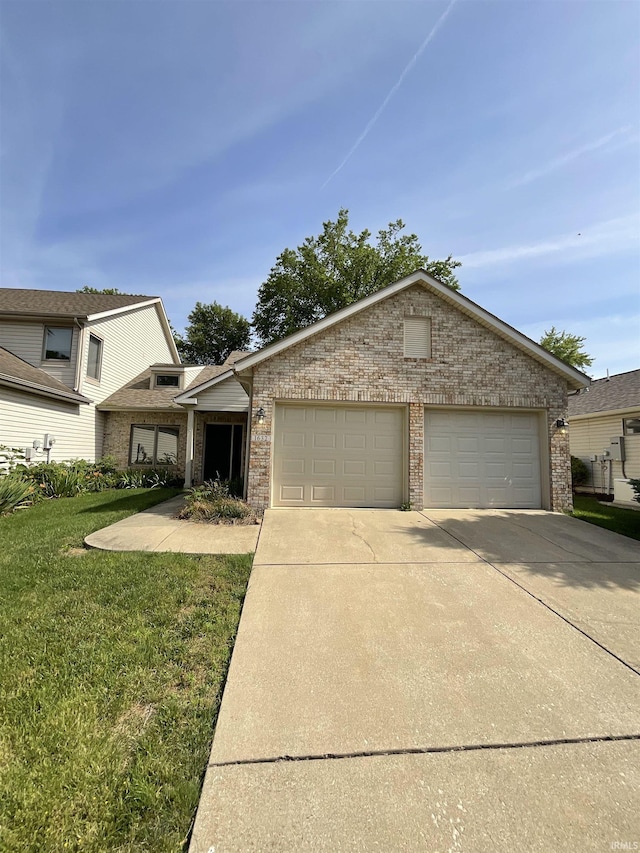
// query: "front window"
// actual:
[[153, 445], [94, 361], [57, 343]]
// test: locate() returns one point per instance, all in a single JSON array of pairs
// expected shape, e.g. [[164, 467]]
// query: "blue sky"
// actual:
[[176, 148]]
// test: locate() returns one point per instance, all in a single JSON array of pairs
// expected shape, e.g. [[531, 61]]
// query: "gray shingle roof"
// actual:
[[139, 395], [63, 303], [15, 371], [621, 391]]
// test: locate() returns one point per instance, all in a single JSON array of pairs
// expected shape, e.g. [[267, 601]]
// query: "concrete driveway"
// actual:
[[444, 680]]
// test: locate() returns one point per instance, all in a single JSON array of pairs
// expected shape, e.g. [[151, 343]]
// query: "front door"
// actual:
[[222, 452]]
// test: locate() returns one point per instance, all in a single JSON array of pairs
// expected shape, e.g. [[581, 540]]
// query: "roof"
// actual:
[[211, 375], [17, 373], [574, 378], [621, 391], [139, 395], [64, 303]]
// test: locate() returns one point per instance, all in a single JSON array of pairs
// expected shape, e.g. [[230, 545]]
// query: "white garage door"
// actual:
[[482, 459], [337, 456]]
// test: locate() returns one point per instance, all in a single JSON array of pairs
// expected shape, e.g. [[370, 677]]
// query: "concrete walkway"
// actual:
[[158, 529], [430, 681]]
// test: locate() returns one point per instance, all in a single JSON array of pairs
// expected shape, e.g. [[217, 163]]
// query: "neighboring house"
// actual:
[[414, 393], [608, 409], [62, 353]]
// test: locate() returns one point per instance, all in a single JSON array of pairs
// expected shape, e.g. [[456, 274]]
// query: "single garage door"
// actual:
[[482, 459], [338, 456]]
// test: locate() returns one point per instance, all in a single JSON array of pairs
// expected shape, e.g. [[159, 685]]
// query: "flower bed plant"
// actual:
[[213, 502]]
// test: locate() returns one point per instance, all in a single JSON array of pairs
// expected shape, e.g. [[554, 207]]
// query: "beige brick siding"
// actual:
[[361, 360], [117, 434]]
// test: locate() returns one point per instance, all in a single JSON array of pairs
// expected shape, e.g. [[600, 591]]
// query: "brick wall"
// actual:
[[362, 360], [117, 433]]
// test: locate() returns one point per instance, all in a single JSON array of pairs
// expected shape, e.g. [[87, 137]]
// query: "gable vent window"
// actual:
[[417, 337], [167, 380]]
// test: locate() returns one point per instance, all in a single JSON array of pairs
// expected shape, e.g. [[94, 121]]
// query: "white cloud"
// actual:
[[604, 238]]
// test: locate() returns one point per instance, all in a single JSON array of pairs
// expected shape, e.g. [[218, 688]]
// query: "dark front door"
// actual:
[[222, 452]]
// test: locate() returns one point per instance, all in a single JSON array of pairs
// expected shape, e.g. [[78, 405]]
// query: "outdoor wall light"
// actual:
[[260, 415], [562, 425]]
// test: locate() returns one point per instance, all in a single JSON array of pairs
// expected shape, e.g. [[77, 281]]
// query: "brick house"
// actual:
[[412, 394]]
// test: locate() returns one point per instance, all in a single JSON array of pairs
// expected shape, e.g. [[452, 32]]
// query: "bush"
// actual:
[[213, 501], [635, 485], [14, 493], [579, 472], [137, 478]]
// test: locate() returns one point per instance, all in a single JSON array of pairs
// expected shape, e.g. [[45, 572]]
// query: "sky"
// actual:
[[177, 148]]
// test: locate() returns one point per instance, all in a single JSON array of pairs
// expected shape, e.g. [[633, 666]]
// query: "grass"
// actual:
[[618, 519], [111, 672]]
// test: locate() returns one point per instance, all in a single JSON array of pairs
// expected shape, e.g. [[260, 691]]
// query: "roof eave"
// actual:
[[42, 390], [186, 396]]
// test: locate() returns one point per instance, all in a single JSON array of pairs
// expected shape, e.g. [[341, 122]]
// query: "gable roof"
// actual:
[[211, 375], [19, 374], [139, 394], [621, 391], [573, 377], [65, 303]]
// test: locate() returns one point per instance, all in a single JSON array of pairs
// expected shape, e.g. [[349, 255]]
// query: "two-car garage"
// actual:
[[357, 456]]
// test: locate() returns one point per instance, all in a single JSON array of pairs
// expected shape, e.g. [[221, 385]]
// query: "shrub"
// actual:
[[579, 472], [138, 478], [635, 485], [214, 502], [14, 493]]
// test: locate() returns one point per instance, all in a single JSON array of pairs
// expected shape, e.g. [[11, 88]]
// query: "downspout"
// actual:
[[79, 355]]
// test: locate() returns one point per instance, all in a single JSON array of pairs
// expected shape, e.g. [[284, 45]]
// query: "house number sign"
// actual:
[[262, 437]]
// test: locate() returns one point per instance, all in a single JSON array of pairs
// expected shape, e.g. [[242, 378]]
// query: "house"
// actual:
[[63, 353], [605, 433], [413, 394]]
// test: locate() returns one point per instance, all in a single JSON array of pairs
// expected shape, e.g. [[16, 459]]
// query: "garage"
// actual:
[[482, 459], [338, 456]]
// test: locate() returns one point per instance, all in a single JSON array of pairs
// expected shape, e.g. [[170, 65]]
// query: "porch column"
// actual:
[[188, 464]]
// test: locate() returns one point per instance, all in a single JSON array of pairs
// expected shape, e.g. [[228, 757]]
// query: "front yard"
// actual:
[[111, 672], [616, 518]]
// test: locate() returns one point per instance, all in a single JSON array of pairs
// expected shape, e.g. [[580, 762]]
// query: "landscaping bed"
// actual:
[[111, 671]]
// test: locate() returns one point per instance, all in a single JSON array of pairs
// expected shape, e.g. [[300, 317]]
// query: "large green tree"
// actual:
[[110, 291], [333, 270], [214, 331], [568, 347]]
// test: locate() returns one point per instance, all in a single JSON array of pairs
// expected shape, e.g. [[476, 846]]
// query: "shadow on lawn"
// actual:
[[136, 503]]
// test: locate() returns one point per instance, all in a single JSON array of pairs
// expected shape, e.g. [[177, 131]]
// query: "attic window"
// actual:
[[417, 337], [167, 380]]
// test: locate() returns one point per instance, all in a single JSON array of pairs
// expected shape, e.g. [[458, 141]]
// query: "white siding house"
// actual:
[[112, 338]]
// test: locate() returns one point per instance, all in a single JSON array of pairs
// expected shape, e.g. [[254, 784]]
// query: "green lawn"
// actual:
[[111, 672], [618, 519]]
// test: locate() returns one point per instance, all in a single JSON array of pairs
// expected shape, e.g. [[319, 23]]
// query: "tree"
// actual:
[[567, 347], [110, 291], [333, 270], [212, 334]]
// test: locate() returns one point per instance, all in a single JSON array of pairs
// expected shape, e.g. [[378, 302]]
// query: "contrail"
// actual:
[[392, 92]]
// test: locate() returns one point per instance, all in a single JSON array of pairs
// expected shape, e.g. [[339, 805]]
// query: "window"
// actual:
[[153, 445], [57, 343], [417, 337], [631, 426], [94, 361], [167, 380]]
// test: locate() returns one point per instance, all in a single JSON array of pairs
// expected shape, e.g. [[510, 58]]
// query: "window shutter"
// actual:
[[417, 337]]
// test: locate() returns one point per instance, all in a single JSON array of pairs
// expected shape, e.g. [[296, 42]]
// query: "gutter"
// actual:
[[23, 384]]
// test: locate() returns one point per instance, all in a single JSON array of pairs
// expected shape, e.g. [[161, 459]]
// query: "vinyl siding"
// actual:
[[25, 417], [131, 342], [227, 396], [26, 341], [589, 437]]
